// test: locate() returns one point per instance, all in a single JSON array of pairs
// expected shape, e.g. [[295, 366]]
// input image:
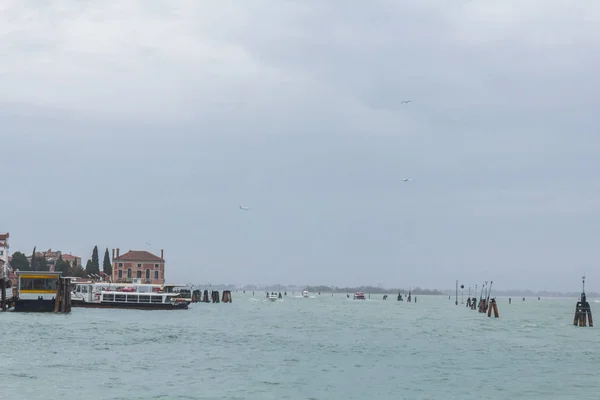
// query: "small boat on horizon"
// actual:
[[305, 293], [272, 297], [359, 296]]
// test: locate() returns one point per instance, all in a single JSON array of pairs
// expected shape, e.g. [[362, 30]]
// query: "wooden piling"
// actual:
[[215, 296], [3, 294], [493, 307], [58, 295], [583, 311], [205, 298], [226, 296]]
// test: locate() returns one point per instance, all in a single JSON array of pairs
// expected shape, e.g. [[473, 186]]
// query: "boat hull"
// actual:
[[39, 305], [131, 306]]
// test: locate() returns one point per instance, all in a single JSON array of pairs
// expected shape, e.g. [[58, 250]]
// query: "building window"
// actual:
[[148, 273], [129, 273], [155, 266], [1, 252], [155, 274], [120, 273], [139, 265], [120, 265], [139, 274]]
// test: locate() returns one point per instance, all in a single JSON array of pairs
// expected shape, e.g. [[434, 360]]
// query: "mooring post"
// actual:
[[493, 307], [583, 311], [3, 293], [57, 298], [68, 295], [226, 296]]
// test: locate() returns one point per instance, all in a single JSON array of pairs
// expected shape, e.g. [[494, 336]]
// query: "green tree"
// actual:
[[95, 261], [89, 267], [41, 264], [106, 265], [62, 266], [20, 262], [77, 270]]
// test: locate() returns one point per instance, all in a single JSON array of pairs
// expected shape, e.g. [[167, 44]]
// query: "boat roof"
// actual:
[[47, 274], [118, 284], [141, 293], [174, 285]]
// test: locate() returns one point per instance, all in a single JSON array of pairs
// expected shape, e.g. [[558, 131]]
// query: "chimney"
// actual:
[[113, 254], [162, 254], [117, 252]]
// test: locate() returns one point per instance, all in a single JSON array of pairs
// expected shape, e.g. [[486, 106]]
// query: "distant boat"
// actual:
[[305, 293], [272, 297], [359, 296]]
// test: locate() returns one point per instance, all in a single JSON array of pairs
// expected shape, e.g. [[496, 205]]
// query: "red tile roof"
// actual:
[[138, 255], [4, 236], [68, 257]]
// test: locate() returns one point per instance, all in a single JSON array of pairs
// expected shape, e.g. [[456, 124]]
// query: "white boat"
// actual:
[[272, 297], [125, 295], [305, 293], [359, 296], [183, 291]]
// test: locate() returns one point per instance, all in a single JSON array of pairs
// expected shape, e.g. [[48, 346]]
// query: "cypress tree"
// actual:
[[95, 261], [106, 265], [33, 264], [89, 267], [61, 266]]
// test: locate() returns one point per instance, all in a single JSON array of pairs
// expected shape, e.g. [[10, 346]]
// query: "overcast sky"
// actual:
[[128, 122]]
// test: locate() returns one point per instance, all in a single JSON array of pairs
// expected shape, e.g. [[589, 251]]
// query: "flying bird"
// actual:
[[405, 101], [244, 208], [407, 179]]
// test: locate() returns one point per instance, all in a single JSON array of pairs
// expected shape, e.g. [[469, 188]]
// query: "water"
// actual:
[[317, 348]]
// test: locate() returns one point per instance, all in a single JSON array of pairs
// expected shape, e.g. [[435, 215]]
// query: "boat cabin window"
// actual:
[[38, 284], [145, 299]]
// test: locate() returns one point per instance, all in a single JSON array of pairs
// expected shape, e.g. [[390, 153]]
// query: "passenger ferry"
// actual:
[[125, 295], [36, 291]]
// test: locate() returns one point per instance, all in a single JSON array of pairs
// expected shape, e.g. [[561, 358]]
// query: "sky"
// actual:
[[144, 125]]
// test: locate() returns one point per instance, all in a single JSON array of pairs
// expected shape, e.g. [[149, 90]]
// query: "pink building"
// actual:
[[138, 264]]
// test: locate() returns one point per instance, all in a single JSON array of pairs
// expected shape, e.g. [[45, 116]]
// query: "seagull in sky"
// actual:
[[244, 208], [405, 101], [407, 179]]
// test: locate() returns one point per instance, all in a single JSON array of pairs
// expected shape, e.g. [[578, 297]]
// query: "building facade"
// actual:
[[4, 254], [70, 258], [138, 264]]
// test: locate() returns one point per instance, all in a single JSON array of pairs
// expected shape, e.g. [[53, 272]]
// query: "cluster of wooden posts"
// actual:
[[485, 305], [213, 297], [583, 313], [62, 301]]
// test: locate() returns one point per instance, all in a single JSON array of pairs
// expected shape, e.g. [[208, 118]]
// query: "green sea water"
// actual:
[[316, 348]]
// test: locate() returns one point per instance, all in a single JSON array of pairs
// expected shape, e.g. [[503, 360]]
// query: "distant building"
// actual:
[[138, 264], [53, 256], [70, 258], [4, 254]]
